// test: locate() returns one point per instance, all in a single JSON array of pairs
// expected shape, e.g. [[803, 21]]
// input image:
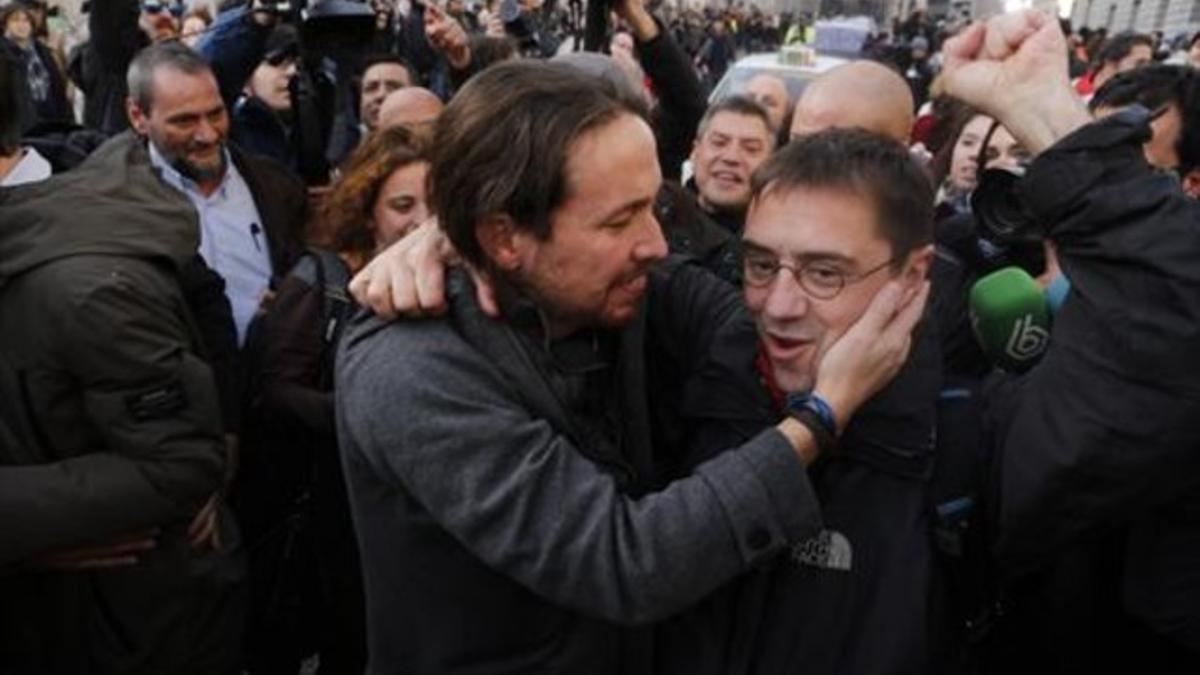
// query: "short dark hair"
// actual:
[[863, 163], [375, 59], [737, 104], [501, 146], [1155, 86], [170, 54], [1120, 45]]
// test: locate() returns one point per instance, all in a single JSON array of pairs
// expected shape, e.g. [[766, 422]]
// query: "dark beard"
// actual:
[[199, 174]]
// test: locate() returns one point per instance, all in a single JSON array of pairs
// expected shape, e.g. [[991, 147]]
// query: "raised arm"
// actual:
[[1106, 427]]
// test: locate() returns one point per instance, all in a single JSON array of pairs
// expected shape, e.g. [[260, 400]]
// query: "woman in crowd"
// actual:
[[45, 82], [379, 197], [955, 168], [292, 499], [967, 138]]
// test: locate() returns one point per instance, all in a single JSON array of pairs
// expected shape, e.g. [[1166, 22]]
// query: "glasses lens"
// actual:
[[758, 270], [822, 281]]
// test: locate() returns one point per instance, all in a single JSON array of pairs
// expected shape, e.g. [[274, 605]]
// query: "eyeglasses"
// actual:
[[821, 279]]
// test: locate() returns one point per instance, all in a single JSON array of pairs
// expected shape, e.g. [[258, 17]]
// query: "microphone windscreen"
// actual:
[[1010, 318]]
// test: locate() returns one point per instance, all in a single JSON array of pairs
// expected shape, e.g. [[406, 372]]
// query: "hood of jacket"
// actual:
[[112, 204]]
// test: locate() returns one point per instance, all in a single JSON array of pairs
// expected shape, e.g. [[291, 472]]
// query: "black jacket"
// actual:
[[55, 108], [114, 427], [1102, 434], [257, 129], [691, 231], [856, 598], [681, 101], [871, 616], [98, 66]]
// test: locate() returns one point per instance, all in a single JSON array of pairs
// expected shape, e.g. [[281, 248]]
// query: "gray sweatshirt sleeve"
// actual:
[[430, 416]]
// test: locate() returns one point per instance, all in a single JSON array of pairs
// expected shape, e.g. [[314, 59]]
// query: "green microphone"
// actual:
[[1010, 318]]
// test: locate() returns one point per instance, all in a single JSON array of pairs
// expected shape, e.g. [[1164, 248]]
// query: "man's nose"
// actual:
[[785, 298], [728, 153], [653, 246], [206, 133]]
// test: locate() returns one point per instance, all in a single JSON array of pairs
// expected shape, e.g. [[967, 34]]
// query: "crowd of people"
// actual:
[[414, 338]]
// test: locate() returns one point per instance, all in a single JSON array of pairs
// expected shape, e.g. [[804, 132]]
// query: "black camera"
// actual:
[[1011, 234], [334, 27], [998, 209], [329, 30]]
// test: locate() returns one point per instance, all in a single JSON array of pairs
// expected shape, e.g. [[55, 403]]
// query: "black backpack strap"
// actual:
[[324, 270], [334, 277]]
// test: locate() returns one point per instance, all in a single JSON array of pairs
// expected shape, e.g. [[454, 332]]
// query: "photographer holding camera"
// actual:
[[284, 73], [255, 62]]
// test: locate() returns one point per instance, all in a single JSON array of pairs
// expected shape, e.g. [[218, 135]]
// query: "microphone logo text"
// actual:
[[1027, 340]]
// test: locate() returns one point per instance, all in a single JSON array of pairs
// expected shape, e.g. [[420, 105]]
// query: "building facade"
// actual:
[[1172, 17]]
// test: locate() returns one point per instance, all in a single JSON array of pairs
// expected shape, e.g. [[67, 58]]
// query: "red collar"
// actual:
[[767, 376]]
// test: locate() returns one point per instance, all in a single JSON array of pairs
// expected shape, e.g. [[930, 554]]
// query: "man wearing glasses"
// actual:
[[834, 217]]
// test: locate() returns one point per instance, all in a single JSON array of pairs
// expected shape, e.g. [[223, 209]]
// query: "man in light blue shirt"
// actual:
[[250, 211], [232, 240]]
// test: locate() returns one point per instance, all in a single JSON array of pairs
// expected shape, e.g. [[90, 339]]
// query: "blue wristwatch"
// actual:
[[817, 406]]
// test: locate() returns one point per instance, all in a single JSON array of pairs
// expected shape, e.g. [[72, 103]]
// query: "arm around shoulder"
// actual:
[[430, 415]]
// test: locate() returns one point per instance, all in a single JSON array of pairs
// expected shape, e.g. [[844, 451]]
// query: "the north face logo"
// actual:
[[828, 550]]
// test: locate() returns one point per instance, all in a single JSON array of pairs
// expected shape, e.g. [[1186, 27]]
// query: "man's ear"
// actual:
[[919, 262], [501, 241], [138, 119]]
